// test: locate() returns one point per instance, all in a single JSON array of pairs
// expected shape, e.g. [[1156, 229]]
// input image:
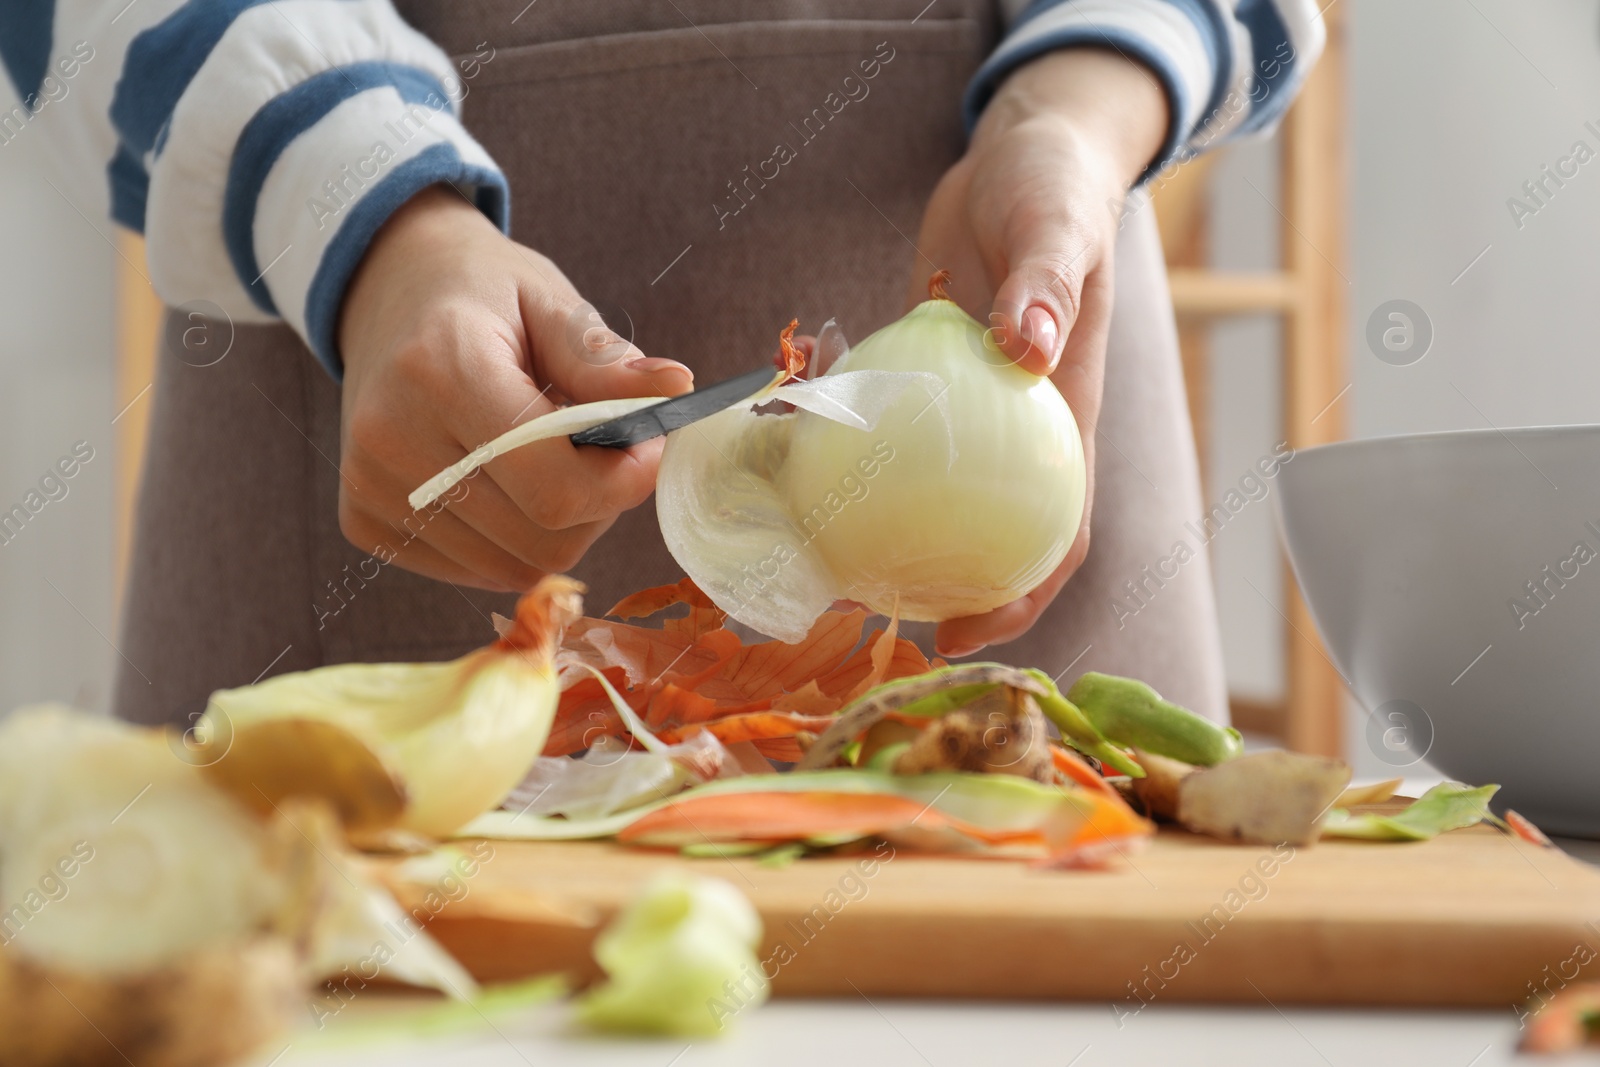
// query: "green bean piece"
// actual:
[[1131, 713], [1077, 730]]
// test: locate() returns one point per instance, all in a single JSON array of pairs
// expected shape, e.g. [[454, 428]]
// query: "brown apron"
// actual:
[[629, 132]]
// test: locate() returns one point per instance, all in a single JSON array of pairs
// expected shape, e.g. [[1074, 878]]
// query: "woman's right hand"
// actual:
[[451, 334]]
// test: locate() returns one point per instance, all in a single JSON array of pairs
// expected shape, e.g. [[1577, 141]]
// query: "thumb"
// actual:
[[1037, 305], [584, 358]]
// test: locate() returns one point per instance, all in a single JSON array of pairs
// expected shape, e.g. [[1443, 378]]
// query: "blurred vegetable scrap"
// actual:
[[409, 1022], [188, 927], [1264, 798], [425, 724], [1565, 1022], [680, 959], [1447, 806], [1376, 793], [1521, 826]]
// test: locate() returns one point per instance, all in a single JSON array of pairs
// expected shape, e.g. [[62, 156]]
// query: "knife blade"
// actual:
[[673, 414]]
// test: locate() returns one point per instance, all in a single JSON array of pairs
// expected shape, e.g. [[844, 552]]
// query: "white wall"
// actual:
[[1453, 112], [1453, 106], [56, 349]]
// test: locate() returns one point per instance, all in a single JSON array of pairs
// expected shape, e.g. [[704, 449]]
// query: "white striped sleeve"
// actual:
[[258, 144], [1229, 68]]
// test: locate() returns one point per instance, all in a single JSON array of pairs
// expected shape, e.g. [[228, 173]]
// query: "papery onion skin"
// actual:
[[941, 537]]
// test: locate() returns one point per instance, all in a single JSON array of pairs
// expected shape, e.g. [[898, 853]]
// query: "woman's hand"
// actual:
[[1027, 224], [451, 334]]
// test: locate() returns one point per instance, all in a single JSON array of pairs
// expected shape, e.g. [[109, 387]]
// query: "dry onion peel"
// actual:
[[693, 674]]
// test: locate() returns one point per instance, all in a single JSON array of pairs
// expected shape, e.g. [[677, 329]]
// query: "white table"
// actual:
[[920, 1033], [843, 1033]]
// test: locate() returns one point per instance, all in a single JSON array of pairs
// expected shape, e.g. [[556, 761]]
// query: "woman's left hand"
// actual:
[[1027, 223]]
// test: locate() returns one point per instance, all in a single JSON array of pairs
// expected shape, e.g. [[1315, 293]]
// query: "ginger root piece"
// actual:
[[1265, 798], [1158, 789], [1001, 732]]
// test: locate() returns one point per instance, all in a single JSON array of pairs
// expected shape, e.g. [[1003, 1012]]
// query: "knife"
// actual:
[[674, 414]]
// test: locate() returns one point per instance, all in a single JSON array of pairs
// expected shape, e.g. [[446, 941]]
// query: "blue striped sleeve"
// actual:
[[258, 144], [25, 36], [1229, 68]]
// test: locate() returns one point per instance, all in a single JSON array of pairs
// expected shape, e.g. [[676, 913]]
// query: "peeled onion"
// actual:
[[943, 481], [943, 537]]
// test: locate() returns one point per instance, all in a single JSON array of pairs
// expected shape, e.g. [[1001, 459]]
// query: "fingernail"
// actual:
[[1039, 330], [957, 651], [651, 364]]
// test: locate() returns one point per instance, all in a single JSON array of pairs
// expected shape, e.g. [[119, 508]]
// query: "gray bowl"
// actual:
[[1455, 578]]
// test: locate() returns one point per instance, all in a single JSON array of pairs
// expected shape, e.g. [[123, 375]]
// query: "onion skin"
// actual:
[[456, 736], [934, 536]]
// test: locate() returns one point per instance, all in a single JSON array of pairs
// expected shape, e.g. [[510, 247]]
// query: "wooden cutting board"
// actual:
[[1472, 918]]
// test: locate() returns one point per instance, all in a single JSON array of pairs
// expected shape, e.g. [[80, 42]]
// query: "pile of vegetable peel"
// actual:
[[663, 733], [849, 736], [692, 674]]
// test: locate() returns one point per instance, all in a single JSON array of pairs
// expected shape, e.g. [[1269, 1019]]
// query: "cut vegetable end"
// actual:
[[936, 283], [1522, 827]]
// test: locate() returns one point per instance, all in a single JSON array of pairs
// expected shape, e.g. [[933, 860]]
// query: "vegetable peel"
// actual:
[[985, 809], [192, 926], [422, 722], [1447, 806], [673, 958]]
